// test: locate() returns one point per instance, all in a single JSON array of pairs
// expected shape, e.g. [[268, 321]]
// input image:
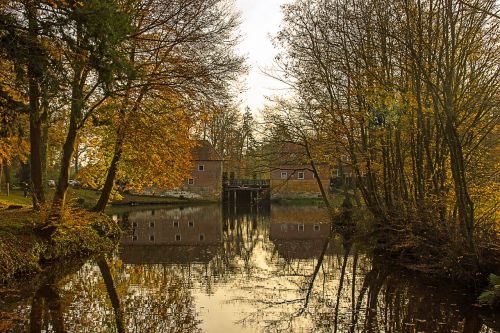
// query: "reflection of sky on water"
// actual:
[[250, 272]]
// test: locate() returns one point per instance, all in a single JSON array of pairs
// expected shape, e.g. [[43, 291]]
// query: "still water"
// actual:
[[215, 269]]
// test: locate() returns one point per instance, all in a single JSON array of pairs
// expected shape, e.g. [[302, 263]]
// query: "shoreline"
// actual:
[[23, 253]]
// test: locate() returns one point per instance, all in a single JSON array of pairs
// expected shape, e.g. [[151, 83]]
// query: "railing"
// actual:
[[246, 182]]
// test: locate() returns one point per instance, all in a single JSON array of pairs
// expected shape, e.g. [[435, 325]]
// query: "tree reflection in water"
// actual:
[[277, 271]]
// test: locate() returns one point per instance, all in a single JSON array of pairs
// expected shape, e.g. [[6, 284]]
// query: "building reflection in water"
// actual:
[[175, 236], [238, 269]]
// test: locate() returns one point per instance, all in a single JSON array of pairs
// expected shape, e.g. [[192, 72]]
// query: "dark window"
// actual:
[[191, 224], [190, 181], [134, 225], [316, 227], [201, 167], [176, 224], [301, 227], [134, 237], [300, 175], [152, 238], [202, 237], [177, 238], [151, 224]]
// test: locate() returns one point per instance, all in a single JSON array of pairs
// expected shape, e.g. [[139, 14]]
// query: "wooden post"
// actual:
[[235, 202]]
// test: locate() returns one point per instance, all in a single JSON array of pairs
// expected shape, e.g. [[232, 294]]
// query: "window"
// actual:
[[177, 238], [201, 167], [300, 227], [202, 237], [134, 225], [151, 238], [191, 224], [176, 224], [151, 224], [336, 172], [284, 227], [316, 227], [134, 237], [300, 175], [284, 175], [190, 181]]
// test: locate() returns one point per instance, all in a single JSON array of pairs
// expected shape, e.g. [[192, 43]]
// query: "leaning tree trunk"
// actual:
[[111, 175], [59, 200]]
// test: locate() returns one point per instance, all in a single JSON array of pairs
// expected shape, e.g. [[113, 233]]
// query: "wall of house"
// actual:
[[293, 187], [206, 183]]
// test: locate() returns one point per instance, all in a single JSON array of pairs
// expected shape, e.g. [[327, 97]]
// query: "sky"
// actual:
[[261, 20]]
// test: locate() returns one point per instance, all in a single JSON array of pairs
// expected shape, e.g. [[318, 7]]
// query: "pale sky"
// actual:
[[261, 19]]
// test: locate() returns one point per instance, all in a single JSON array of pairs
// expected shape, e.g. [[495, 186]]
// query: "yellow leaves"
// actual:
[[13, 147]]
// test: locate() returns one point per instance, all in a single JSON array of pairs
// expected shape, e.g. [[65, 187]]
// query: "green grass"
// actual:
[[16, 197]]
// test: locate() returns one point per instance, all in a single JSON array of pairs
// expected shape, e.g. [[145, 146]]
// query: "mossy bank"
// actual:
[[24, 253]]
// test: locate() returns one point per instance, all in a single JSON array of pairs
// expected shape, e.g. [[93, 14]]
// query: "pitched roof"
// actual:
[[204, 151]]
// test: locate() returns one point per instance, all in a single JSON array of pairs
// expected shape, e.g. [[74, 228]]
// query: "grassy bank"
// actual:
[[88, 198], [335, 201], [23, 252]]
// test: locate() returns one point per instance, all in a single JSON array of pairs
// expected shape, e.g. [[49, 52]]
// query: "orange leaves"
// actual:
[[13, 147]]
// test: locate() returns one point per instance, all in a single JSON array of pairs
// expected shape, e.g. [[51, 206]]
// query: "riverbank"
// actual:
[[87, 198], [24, 253]]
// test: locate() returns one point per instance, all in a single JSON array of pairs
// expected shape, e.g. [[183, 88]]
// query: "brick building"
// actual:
[[206, 176], [291, 175]]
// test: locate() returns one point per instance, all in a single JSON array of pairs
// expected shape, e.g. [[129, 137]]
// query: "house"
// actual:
[[205, 180], [291, 175]]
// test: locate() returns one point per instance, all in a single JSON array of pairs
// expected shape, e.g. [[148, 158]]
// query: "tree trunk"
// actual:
[[112, 170], [59, 201], [34, 112]]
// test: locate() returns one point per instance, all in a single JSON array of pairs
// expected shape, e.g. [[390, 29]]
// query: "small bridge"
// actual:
[[246, 191]]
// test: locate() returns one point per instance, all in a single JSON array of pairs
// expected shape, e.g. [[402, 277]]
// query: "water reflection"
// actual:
[[213, 269]]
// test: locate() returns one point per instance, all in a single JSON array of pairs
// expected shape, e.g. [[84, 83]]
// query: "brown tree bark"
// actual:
[[38, 194], [111, 175]]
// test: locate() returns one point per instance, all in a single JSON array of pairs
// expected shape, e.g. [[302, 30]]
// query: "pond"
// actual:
[[226, 269]]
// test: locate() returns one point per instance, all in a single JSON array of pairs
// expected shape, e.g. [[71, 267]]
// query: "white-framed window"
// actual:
[[300, 175], [178, 238], [201, 167], [151, 238], [316, 227], [300, 227], [191, 224], [336, 172], [201, 237], [284, 227], [284, 175], [176, 224], [190, 181], [151, 224]]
